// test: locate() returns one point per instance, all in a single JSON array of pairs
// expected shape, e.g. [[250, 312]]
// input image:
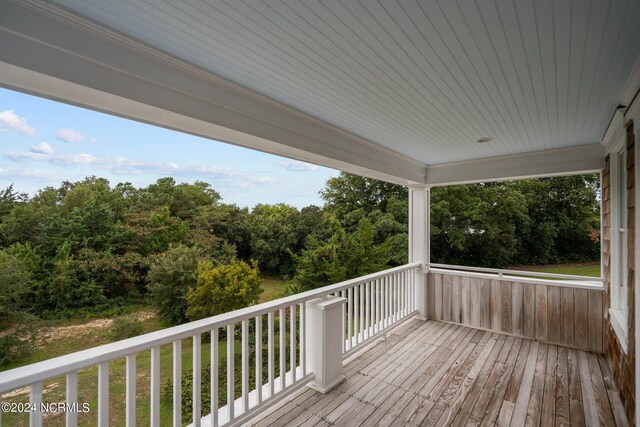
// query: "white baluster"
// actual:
[[177, 383], [214, 377], [292, 342], [403, 293], [103, 394], [245, 365], [230, 372], [72, 398], [387, 302], [344, 313], [258, 323], [35, 399], [271, 356], [130, 394], [283, 351], [367, 305], [356, 314], [303, 346], [197, 381], [155, 387], [350, 312]]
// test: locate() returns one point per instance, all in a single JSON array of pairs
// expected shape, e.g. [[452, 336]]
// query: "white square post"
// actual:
[[419, 242], [323, 335]]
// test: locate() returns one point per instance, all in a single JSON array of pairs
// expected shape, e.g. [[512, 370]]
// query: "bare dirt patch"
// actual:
[[25, 390], [60, 332]]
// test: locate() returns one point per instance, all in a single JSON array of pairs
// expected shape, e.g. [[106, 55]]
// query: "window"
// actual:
[[619, 308]]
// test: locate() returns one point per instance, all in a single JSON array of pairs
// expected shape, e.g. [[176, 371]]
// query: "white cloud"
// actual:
[[18, 156], [124, 166], [211, 171], [42, 148], [297, 166], [29, 174], [81, 159], [70, 135], [261, 179], [9, 120]]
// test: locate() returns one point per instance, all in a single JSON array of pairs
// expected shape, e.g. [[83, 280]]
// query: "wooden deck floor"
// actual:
[[434, 373]]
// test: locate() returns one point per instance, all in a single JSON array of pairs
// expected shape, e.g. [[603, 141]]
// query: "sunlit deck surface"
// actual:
[[435, 373]]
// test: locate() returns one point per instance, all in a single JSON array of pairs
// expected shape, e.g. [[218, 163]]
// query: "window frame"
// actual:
[[618, 292]]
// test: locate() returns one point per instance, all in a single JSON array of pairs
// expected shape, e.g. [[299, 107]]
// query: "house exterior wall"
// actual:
[[622, 364]]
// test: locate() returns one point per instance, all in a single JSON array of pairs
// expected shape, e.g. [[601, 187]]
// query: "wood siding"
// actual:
[[565, 316]]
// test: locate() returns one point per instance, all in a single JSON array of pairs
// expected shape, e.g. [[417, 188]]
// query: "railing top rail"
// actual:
[[586, 284], [518, 272], [29, 374]]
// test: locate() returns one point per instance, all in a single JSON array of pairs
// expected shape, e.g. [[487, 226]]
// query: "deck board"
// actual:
[[437, 373]]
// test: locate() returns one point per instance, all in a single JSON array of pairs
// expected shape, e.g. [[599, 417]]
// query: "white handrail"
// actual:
[[586, 284], [41, 371], [502, 272]]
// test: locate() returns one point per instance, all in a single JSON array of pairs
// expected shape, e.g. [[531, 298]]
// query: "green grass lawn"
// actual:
[[273, 289], [591, 269]]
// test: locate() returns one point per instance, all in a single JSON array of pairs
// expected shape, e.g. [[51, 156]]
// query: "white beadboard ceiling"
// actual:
[[423, 78]]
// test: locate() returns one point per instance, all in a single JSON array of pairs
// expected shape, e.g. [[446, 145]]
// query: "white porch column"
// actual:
[[419, 241], [323, 335]]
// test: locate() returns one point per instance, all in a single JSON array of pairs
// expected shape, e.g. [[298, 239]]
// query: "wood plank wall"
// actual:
[[552, 314]]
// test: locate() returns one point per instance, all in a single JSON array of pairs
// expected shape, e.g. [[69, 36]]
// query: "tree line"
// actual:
[[88, 247]]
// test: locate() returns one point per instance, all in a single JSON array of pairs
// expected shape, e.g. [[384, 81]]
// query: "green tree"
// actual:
[[8, 199], [223, 288], [273, 236], [171, 276], [563, 221], [476, 224], [352, 198], [68, 288], [152, 232], [343, 256], [347, 193], [230, 223], [26, 221]]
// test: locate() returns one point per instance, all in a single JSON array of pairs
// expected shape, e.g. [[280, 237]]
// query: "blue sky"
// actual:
[[45, 142]]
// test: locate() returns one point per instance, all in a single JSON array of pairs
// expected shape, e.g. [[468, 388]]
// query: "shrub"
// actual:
[[186, 401], [170, 277], [125, 327], [224, 288], [16, 346], [15, 281]]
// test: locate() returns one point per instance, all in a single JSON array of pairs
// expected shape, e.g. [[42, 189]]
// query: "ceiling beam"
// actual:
[[565, 161], [52, 53]]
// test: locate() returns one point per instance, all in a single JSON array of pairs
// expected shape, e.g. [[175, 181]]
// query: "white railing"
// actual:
[[568, 280], [375, 303]]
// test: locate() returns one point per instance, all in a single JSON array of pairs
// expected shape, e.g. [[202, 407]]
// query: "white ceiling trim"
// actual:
[[565, 161]]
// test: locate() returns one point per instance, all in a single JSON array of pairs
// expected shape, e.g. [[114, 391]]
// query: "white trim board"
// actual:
[[566, 161]]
